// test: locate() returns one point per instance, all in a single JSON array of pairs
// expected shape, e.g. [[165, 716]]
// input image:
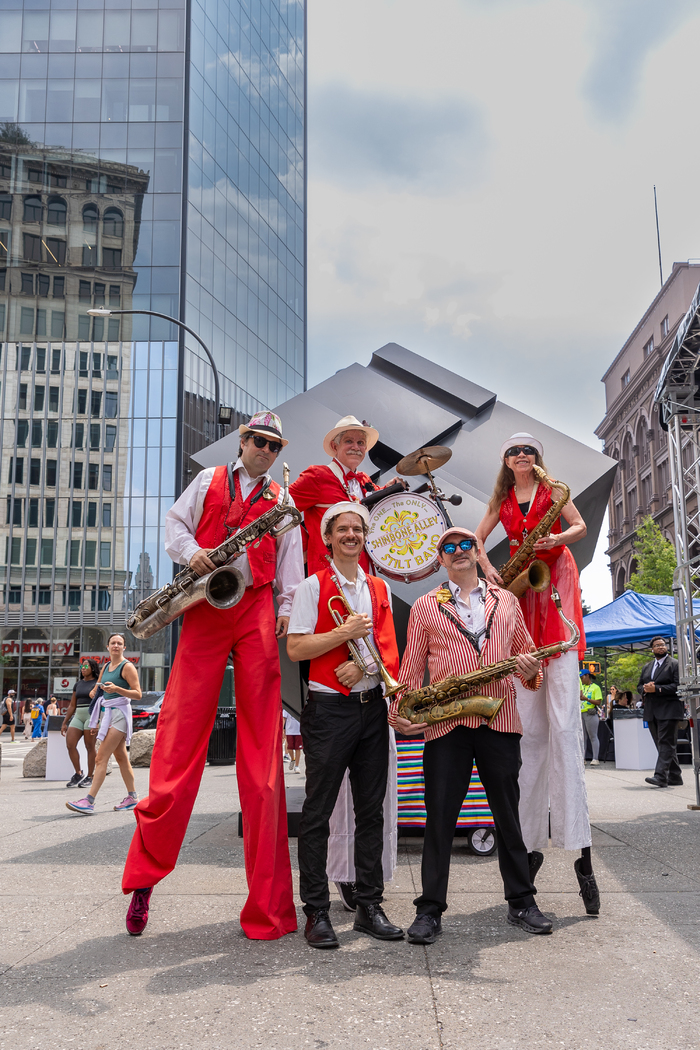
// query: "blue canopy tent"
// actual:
[[631, 619]]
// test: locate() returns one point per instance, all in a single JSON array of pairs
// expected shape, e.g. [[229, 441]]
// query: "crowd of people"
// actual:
[[528, 749]]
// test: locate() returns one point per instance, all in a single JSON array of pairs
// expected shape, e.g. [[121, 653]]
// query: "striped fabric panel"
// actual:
[[475, 810], [435, 640]]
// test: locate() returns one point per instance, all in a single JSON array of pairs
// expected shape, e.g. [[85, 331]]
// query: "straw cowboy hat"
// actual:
[[349, 423]]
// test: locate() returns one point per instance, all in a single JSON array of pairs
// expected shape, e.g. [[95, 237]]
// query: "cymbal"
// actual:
[[423, 459]]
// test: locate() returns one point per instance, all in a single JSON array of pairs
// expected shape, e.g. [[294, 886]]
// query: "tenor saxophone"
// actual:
[[224, 586], [446, 699], [525, 569]]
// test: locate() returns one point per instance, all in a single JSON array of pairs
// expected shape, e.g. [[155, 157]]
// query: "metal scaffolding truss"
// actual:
[[678, 398]]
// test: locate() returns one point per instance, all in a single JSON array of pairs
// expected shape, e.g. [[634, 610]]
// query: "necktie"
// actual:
[[655, 669]]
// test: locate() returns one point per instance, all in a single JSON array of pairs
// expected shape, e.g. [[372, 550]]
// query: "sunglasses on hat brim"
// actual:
[[515, 450], [260, 442], [464, 545]]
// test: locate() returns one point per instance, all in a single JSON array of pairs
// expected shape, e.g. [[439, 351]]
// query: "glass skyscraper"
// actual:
[[152, 157]]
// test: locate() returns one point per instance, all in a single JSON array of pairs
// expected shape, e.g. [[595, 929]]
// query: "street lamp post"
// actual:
[[223, 414]]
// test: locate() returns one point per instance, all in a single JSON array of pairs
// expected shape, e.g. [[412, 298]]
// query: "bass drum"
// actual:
[[403, 537]]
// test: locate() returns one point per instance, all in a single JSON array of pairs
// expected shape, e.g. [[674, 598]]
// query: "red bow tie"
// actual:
[[352, 476]]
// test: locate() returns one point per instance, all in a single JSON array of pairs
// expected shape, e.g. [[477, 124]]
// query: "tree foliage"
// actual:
[[11, 132], [656, 561], [624, 669]]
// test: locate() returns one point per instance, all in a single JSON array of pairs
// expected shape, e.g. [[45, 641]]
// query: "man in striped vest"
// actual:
[[344, 725], [218, 503], [458, 627]]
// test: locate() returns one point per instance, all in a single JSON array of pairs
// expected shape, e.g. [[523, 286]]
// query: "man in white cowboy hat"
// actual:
[[324, 484], [219, 502], [344, 725]]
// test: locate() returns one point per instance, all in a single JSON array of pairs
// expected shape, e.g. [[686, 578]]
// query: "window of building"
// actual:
[[73, 552], [58, 324], [91, 515], [46, 551], [30, 551], [106, 515], [44, 595], [52, 433], [59, 288], [56, 251], [113, 223], [41, 359], [35, 472], [32, 247], [89, 255], [82, 401], [112, 372], [35, 174], [110, 437], [625, 379], [27, 285], [96, 404], [103, 599], [105, 554], [39, 398], [16, 550], [5, 206], [78, 435], [14, 595], [74, 597], [26, 321], [25, 358], [56, 214], [16, 471], [113, 329], [33, 209], [3, 272], [43, 285], [84, 291], [41, 323], [649, 347], [50, 474], [90, 217], [55, 357], [49, 512], [22, 400], [114, 295], [37, 436], [14, 511], [33, 514], [107, 477], [75, 514], [76, 475], [93, 475], [90, 553], [111, 404], [83, 362], [94, 436], [99, 294], [97, 364], [664, 327], [22, 432], [98, 329], [111, 258], [53, 398]]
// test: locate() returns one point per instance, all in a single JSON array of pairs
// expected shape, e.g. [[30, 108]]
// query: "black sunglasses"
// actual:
[[259, 441], [517, 449], [464, 545]]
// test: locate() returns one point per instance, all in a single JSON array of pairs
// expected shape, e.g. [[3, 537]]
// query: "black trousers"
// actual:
[[665, 734], [447, 768], [339, 734]]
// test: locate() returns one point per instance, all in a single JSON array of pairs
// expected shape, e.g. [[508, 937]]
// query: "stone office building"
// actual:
[[630, 429], [151, 158]]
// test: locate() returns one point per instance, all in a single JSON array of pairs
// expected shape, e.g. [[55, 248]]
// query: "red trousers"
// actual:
[[184, 726]]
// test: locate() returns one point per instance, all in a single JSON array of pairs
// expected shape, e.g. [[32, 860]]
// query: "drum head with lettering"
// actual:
[[403, 537]]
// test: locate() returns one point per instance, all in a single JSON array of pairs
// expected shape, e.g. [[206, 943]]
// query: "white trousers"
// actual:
[[340, 866], [552, 782]]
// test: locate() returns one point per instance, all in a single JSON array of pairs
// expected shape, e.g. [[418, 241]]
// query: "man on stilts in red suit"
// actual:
[[219, 502]]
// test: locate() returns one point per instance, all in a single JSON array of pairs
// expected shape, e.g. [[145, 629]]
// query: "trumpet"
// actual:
[[391, 686]]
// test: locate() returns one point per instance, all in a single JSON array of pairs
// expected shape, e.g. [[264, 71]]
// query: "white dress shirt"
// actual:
[[470, 609], [352, 484], [305, 617], [658, 662], [184, 516]]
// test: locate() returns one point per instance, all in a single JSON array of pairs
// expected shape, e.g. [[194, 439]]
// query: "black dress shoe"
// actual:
[[535, 860], [424, 929], [346, 892], [319, 932], [530, 919], [369, 918], [655, 782], [589, 889]]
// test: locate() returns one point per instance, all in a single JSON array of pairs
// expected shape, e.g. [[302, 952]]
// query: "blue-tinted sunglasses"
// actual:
[[464, 545]]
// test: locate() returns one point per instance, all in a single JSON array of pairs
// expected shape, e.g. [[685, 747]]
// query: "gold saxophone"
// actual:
[[525, 569], [442, 700], [224, 586]]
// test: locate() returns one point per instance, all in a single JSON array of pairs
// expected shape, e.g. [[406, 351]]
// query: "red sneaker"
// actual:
[[137, 915]]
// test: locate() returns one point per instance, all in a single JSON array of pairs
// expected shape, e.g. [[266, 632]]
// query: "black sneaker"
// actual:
[[424, 929], [346, 892], [530, 919], [589, 889], [76, 780], [85, 782]]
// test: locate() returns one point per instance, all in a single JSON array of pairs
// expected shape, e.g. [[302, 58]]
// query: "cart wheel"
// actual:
[[482, 841]]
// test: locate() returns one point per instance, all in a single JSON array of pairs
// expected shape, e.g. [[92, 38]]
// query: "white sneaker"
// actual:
[[291, 765], [296, 769], [595, 762]]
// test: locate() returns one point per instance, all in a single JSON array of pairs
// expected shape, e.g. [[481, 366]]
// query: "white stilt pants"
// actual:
[[552, 774]]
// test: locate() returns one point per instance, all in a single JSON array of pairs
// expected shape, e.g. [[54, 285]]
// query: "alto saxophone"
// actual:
[[224, 586], [525, 569], [445, 699]]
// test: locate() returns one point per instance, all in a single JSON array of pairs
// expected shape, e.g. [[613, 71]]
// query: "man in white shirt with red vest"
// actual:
[[463, 625], [218, 503], [344, 724]]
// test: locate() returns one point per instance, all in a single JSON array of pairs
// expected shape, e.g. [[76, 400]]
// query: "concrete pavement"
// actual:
[[70, 977]]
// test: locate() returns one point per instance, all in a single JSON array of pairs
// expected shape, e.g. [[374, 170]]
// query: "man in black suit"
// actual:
[[663, 711]]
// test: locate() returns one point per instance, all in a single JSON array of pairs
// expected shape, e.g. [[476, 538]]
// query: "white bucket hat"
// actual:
[[346, 507], [349, 423], [521, 439]]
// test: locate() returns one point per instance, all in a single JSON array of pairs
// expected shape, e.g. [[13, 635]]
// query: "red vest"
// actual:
[[221, 511], [322, 668]]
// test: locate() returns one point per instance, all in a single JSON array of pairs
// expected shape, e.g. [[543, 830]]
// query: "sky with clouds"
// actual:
[[480, 188]]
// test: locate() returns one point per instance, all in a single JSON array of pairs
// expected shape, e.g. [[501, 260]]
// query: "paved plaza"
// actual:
[[72, 979]]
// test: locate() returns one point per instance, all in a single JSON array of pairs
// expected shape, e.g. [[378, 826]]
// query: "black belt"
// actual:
[[364, 696]]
